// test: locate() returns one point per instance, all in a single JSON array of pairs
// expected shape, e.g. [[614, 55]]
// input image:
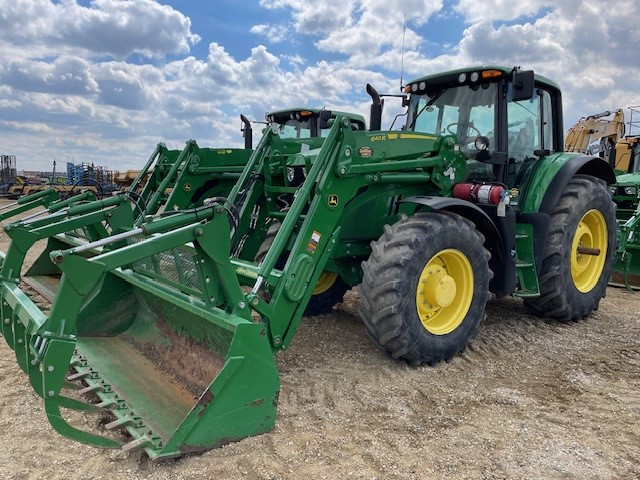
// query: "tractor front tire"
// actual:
[[328, 292], [425, 287], [579, 254]]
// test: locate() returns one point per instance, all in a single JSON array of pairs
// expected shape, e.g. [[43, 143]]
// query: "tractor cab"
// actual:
[[626, 191], [308, 122], [499, 121], [301, 130]]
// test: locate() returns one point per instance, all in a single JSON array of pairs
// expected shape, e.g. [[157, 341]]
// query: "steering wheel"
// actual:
[[469, 127]]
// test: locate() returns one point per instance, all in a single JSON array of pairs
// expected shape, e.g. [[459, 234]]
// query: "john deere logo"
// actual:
[[333, 200], [186, 187], [365, 152]]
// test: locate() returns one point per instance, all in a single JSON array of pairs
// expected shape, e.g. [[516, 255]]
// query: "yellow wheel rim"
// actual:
[[444, 291], [589, 251], [325, 282]]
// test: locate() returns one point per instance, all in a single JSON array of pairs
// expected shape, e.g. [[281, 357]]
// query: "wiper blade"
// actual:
[[427, 105]]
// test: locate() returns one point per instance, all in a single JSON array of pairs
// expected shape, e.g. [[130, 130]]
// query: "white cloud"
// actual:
[[505, 10], [65, 75], [273, 33], [29, 127], [316, 18], [295, 60], [117, 28]]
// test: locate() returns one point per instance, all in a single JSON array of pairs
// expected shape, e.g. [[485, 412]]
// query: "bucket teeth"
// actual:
[[78, 375], [137, 444], [70, 385], [90, 388], [120, 422], [108, 402]]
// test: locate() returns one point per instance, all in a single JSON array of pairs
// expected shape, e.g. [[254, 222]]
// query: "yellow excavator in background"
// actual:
[[605, 135], [597, 134]]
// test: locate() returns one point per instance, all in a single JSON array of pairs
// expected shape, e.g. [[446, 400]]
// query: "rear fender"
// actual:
[[582, 165], [552, 176]]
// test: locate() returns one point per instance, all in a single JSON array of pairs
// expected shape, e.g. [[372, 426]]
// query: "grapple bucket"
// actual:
[[155, 333], [169, 324]]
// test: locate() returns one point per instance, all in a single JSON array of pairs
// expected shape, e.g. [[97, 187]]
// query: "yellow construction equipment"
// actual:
[[607, 135], [605, 128]]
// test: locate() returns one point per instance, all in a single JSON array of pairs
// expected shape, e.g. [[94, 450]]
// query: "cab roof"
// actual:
[[284, 113], [454, 77]]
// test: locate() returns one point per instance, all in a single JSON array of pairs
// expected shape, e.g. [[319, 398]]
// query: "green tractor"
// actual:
[[626, 195], [171, 325]]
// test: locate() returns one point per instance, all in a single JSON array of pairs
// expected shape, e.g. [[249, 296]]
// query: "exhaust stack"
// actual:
[[375, 116]]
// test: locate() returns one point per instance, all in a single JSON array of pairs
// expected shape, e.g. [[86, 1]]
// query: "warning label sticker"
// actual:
[[313, 242]]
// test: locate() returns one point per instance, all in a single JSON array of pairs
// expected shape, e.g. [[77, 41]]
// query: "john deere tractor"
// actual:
[[171, 325], [626, 195]]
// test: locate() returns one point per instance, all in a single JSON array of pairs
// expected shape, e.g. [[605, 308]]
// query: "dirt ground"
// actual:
[[530, 398]]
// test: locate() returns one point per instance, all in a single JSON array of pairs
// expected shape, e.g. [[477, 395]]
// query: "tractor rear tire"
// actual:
[[572, 283], [425, 287], [328, 292]]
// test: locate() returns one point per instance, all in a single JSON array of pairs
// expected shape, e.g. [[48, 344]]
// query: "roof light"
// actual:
[[492, 73], [305, 113], [462, 77], [423, 85], [414, 87], [474, 77], [407, 89]]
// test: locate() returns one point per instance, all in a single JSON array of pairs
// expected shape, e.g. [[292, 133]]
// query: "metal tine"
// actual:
[[137, 444], [77, 375], [90, 388], [120, 422]]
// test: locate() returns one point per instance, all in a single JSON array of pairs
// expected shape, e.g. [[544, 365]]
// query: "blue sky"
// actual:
[[104, 81]]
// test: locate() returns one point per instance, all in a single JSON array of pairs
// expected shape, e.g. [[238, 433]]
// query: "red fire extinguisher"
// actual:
[[488, 194]]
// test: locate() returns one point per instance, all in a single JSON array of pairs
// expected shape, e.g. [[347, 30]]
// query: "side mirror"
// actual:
[[323, 119], [523, 85]]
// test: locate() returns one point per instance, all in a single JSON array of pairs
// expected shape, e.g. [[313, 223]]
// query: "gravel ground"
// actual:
[[530, 398]]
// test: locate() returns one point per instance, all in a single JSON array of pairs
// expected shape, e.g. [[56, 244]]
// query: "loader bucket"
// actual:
[[156, 334]]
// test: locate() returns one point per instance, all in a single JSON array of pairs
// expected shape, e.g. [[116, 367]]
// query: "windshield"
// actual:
[[307, 128], [466, 112], [295, 129], [635, 162]]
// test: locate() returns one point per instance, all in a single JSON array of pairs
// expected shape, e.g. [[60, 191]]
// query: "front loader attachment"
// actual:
[[155, 333], [170, 325], [28, 202]]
